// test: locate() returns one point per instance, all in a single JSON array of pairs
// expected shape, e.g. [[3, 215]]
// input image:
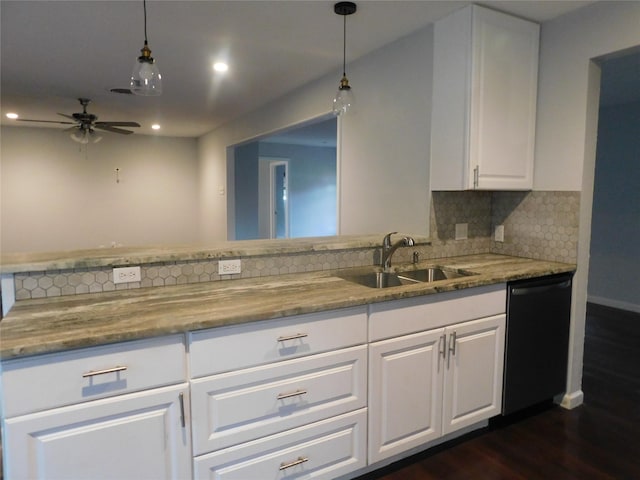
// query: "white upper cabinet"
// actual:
[[485, 78]]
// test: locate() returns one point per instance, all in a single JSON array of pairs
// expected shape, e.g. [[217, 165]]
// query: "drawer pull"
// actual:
[[298, 461], [292, 337], [93, 373], [300, 391]]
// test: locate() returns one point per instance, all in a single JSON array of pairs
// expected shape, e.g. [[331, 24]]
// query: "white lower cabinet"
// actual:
[[319, 396], [473, 374], [112, 412], [322, 450], [405, 393], [238, 406], [141, 435], [427, 384], [285, 399]]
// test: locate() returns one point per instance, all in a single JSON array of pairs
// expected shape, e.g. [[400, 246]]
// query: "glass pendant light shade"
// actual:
[[344, 99], [146, 79]]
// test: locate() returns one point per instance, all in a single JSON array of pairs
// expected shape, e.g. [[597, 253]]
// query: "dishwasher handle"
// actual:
[[540, 288]]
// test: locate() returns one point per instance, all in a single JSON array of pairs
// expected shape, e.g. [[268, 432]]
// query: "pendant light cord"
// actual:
[[344, 46], [144, 9]]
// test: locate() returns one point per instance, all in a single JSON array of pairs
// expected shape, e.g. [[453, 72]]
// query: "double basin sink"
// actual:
[[410, 277]]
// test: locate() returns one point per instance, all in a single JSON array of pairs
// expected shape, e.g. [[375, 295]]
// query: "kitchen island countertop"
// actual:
[[50, 325]]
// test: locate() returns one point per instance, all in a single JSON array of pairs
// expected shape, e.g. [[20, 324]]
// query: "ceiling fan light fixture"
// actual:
[[146, 79], [85, 136], [344, 99]]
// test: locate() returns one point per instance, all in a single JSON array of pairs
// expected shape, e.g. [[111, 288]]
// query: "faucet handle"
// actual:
[[386, 242]]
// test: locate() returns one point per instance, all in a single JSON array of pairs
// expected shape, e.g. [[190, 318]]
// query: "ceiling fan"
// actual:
[[86, 122]]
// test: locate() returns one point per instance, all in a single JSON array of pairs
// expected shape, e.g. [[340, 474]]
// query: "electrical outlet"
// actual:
[[229, 267], [462, 231], [126, 274], [499, 233]]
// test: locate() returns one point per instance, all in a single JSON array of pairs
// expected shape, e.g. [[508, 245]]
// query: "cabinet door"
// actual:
[[405, 392], [473, 378], [141, 435], [485, 78], [503, 100]]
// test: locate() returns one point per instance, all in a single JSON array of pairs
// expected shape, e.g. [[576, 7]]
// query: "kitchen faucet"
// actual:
[[388, 249]]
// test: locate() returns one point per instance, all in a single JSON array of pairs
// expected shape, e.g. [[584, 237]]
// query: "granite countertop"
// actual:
[[123, 256], [52, 325]]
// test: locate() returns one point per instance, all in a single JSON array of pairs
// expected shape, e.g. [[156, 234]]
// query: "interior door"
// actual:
[[279, 200]]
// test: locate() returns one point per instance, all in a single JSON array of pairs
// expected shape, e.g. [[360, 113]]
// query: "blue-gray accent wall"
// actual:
[[615, 229], [312, 188]]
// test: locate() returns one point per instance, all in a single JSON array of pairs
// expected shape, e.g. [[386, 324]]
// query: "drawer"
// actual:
[[52, 380], [325, 449], [235, 407], [401, 317], [231, 348]]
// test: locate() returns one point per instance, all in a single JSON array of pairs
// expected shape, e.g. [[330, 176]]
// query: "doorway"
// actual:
[[278, 199], [309, 183], [615, 214]]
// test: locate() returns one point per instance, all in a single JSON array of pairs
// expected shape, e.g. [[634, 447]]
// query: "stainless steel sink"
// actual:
[[431, 274], [379, 279], [411, 277]]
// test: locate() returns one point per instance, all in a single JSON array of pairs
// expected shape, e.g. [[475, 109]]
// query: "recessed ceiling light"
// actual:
[[155, 126], [220, 67], [12, 116]]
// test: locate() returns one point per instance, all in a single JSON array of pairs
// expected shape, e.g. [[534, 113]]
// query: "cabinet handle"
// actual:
[[441, 346], [452, 347], [298, 461], [476, 174], [93, 373], [292, 337], [300, 391], [182, 420]]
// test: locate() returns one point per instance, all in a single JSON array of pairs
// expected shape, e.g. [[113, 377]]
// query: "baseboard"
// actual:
[[608, 302], [572, 400]]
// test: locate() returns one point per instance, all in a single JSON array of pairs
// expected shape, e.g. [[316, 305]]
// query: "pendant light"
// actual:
[[343, 100], [146, 79]]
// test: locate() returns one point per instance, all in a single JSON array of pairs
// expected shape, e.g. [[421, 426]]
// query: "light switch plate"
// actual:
[[462, 231]]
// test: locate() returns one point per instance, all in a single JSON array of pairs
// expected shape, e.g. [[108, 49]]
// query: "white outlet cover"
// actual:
[[499, 233], [126, 275], [462, 231], [229, 267]]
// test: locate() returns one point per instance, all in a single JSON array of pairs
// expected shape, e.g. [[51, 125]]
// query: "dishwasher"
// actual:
[[537, 340]]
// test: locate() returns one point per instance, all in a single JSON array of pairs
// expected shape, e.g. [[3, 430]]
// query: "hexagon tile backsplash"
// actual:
[[540, 225]]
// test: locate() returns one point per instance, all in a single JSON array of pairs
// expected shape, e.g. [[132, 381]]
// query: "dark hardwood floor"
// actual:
[[598, 440]]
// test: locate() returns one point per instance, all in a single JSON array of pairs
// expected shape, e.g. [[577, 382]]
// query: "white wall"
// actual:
[[383, 163], [567, 125], [57, 195]]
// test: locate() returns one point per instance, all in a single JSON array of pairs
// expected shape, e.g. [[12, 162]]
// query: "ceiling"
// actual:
[[53, 52]]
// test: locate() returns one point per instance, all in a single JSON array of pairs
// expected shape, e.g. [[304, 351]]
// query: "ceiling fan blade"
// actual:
[[117, 124], [109, 128], [44, 121], [66, 116]]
